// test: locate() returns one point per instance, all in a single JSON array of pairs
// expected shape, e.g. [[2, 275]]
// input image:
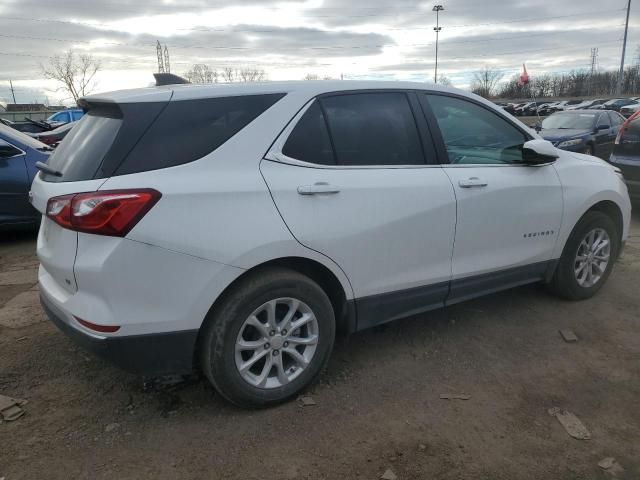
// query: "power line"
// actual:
[[224, 29]]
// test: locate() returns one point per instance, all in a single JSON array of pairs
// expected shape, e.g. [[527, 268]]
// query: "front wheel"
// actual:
[[588, 257], [268, 339], [588, 150]]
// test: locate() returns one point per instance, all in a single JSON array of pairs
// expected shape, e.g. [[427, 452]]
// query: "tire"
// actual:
[[566, 281], [588, 150], [229, 325]]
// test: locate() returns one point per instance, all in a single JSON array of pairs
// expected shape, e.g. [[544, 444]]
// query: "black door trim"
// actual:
[[385, 307]]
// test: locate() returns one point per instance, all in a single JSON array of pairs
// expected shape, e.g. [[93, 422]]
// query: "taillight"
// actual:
[[112, 212], [620, 135]]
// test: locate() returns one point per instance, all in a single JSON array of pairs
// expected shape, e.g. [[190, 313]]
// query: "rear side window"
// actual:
[[373, 129], [79, 156], [309, 140], [137, 137], [187, 130]]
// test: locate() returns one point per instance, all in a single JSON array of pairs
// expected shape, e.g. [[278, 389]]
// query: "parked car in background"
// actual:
[[18, 156], [520, 109], [509, 108], [585, 131], [629, 110], [66, 116], [614, 104], [239, 226], [586, 104], [533, 108], [626, 154], [6, 122], [34, 126], [548, 108], [55, 136]]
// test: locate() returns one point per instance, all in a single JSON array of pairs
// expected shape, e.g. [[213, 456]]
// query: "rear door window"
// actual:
[[373, 129], [309, 140]]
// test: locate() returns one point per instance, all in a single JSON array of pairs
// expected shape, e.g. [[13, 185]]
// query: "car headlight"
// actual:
[[570, 143]]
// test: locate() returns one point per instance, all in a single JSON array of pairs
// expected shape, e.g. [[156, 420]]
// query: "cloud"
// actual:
[[362, 39]]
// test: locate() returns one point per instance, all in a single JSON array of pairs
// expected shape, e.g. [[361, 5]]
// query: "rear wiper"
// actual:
[[47, 169]]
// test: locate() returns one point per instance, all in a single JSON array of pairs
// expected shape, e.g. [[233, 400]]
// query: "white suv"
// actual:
[[236, 228]]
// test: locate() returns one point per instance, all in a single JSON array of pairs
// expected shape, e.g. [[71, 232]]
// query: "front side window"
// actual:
[[373, 129], [616, 120], [474, 135]]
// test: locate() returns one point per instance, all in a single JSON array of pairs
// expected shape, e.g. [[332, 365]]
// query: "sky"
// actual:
[[356, 39]]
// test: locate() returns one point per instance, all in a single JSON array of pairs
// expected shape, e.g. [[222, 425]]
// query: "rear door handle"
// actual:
[[319, 188], [472, 182]]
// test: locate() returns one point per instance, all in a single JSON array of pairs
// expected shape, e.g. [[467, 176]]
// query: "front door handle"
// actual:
[[473, 182], [318, 188]]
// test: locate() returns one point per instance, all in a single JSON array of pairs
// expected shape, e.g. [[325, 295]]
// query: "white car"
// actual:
[[630, 110], [237, 228]]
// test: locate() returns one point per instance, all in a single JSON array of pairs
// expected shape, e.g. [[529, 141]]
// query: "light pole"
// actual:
[[437, 28], [624, 47]]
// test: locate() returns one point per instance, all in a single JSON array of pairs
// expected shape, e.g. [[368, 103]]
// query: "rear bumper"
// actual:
[[150, 354]]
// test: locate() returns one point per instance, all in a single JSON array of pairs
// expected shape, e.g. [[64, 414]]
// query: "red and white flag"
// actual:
[[524, 76]]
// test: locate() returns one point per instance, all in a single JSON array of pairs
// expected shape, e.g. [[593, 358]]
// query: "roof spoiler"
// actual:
[[169, 79]]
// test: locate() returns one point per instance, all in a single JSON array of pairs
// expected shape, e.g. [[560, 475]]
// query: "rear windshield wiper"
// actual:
[[43, 167]]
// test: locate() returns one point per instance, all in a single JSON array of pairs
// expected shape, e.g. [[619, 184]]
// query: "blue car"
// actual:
[[585, 131], [18, 156], [66, 116]]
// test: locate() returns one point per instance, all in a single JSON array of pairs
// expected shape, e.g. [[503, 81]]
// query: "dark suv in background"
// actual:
[[626, 155]]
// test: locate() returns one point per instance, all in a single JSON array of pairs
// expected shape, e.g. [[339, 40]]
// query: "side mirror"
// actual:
[[7, 150], [539, 152], [603, 126]]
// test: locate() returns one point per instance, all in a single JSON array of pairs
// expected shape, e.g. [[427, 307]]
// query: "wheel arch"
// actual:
[[612, 210], [343, 308]]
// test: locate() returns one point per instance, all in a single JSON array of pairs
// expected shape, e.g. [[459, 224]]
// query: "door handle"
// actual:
[[318, 188], [473, 182]]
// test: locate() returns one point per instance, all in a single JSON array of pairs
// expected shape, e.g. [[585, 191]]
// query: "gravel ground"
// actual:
[[378, 406]]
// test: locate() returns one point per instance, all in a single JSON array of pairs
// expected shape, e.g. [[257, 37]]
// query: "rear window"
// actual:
[[139, 137], [81, 153]]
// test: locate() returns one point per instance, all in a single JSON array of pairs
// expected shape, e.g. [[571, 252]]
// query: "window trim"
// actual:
[[275, 151], [23, 153], [438, 140]]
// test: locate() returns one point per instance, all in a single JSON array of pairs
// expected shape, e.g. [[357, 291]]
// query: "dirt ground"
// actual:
[[378, 406]]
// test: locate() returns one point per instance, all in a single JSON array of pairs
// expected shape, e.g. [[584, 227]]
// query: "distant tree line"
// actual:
[[577, 83], [202, 73]]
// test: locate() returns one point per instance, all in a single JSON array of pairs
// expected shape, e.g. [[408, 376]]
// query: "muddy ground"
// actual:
[[378, 406]]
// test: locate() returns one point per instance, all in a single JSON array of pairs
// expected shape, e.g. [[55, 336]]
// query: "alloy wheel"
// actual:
[[276, 343], [592, 257]]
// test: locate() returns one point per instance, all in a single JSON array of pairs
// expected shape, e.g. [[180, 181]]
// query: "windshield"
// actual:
[[10, 134], [581, 121]]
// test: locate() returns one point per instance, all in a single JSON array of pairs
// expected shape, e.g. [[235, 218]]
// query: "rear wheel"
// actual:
[[268, 339], [588, 257]]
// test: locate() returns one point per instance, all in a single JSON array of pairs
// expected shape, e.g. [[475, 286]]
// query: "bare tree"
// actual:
[[485, 81], [444, 81], [244, 74], [311, 76], [251, 75], [76, 72], [202, 73]]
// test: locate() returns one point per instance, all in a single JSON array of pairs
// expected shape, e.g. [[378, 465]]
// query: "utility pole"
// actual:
[[13, 93], [624, 48], [594, 67], [437, 28]]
